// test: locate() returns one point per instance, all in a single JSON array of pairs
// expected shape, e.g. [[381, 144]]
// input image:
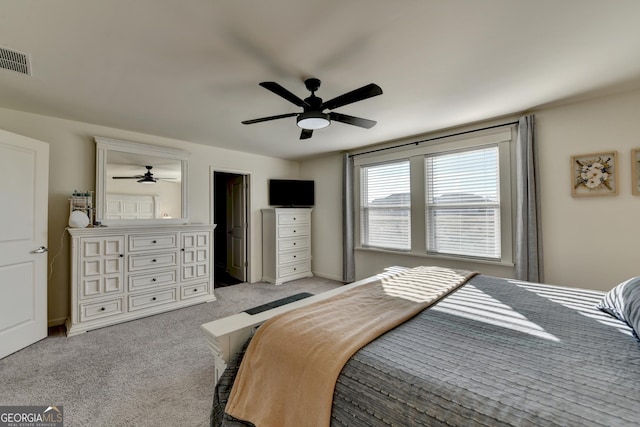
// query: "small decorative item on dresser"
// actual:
[[594, 174], [635, 171], [81, 213], [78, 219]]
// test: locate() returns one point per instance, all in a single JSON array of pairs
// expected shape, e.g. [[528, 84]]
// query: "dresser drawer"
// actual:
[[296, 268], [102, 247], [297, 255], [152, 299], [158, 260], [299, 230], [154, 279], [194, 290], [293, 243], [292, 219], [101, 286], [145, 242], [195, 271], [98, 310]]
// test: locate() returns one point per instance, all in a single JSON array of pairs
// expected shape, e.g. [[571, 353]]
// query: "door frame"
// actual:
[[247, 195]]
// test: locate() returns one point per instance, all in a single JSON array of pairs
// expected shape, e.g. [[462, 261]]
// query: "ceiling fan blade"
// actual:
[[350, 120], [306, 133], [356, 95], [128, 177], [280, 91], [264, 119]]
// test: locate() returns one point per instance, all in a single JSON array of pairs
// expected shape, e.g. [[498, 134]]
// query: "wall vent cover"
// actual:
[[15, 61]]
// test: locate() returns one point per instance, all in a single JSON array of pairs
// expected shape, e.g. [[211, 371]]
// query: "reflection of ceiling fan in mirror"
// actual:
[[147, 178]]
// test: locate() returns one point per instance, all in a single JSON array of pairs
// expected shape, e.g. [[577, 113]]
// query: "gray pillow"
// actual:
[[623, 303]]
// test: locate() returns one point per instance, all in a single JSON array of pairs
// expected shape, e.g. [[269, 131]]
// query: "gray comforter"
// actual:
[[496, 352]]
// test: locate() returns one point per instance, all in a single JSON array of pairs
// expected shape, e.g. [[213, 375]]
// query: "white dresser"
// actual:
[[286, 244], [123, 273]]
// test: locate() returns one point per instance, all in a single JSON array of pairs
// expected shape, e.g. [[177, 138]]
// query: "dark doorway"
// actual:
[[230, 215]]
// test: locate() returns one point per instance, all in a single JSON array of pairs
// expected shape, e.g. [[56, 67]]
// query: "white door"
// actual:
[[236, 227], [24, 187]]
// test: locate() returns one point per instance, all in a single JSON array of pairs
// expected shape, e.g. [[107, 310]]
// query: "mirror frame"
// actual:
[[104, 145]]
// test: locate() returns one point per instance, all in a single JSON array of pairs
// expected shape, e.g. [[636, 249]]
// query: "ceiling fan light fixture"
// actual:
[[313, 120], [147, 180]]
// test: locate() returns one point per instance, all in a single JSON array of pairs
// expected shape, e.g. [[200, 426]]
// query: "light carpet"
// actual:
[[155, 371]]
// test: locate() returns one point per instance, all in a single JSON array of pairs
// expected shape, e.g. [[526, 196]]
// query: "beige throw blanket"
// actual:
[[289, 371]]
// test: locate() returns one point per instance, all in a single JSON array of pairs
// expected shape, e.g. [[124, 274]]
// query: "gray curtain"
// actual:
[[528, 228], [348, 262]]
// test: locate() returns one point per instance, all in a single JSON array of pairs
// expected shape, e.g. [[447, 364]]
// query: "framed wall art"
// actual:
[[635, 171], [594, 174]]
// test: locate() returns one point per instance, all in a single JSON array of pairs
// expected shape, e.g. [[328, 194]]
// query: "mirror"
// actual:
[[140, 184]]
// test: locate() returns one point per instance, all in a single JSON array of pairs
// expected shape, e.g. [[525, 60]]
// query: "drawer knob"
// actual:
[[153, 260], [294, 218], [195, 290], [153, 299], [294, 231], [295, 256], [155, 241], [153, 280], [294, 244], [121, 255], [102, 309]]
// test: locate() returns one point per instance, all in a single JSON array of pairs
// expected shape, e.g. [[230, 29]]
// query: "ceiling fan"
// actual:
[[147, 178], [313, 117]]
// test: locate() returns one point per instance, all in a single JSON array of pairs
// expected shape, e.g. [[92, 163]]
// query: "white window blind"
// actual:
[[463, 203], [385, 214]]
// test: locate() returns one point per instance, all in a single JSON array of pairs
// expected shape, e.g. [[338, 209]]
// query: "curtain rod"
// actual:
[[433, 139]]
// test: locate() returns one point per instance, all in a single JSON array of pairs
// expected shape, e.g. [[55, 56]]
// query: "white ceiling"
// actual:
[[190, 69]]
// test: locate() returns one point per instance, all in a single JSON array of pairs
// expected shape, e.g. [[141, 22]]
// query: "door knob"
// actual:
[[40, 250]]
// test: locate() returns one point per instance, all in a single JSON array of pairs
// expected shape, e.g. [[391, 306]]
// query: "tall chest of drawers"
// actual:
[[286, 244], [123, 273]]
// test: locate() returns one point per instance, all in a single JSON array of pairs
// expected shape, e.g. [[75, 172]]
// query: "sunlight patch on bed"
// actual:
[[422, 284], [580, 300], [471, 303]]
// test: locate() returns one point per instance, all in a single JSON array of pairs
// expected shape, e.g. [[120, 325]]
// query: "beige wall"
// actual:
[[589, 242], [72, 167], [326, 218]]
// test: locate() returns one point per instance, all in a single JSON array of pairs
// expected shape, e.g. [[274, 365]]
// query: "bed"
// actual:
[[494, 352]]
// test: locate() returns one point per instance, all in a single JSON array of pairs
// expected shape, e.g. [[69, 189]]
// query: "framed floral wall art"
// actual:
[[635, 171], [594, 174]]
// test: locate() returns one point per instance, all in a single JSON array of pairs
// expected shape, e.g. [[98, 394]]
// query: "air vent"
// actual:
[[15, 61]]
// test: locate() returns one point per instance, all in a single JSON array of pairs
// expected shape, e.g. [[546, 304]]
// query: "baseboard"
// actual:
[[328, 276], [56, 322]]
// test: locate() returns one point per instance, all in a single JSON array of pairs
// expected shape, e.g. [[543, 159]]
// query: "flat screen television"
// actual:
[[291, 192]]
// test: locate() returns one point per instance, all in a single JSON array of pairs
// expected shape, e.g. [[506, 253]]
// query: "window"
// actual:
[[385, 214], [463, 203], [451, 198]]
